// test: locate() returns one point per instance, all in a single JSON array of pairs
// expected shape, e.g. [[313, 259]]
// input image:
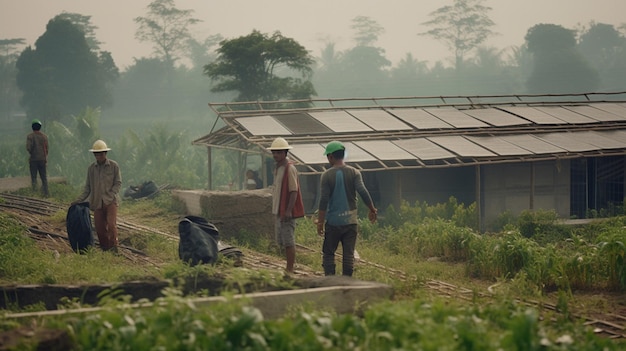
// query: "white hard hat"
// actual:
[[279, 144], [99, 146]]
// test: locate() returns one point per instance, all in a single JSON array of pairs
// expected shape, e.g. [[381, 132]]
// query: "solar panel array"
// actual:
[[404, 119], [448, 147], [440, 131]]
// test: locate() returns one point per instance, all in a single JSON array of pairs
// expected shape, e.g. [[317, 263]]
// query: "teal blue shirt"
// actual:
[[338, 194]]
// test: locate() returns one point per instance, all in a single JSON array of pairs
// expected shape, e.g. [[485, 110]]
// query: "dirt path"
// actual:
[[17, 183]]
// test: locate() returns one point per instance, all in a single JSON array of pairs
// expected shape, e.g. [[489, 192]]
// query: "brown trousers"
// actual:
[[105, 220]]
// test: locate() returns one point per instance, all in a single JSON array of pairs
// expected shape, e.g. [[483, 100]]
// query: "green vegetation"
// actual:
[[418, 243], [160, 153], [177, 324]]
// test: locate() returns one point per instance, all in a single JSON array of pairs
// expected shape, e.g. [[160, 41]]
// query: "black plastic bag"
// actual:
[[198, 241], [79, 228]]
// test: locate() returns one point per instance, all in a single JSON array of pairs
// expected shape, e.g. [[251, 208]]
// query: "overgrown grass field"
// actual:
[[532, 256]]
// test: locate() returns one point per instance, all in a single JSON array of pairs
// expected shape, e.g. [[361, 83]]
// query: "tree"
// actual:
[[167, 28], [461, 26], [9, 93], [83, 23], [367, 30], [605, 49], [200, 51], [62, 76], [358, 71], [363, 71], [409, 68], [251, 65], [558, 67]]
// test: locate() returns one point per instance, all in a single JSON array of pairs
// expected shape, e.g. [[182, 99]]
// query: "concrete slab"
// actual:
[[343, 299]]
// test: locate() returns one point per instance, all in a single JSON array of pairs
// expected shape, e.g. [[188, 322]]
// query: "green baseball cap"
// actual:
[[333, 146], [36, 121]]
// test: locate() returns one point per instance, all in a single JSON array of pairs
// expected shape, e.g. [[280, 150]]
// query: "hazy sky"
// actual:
[[312, 22]]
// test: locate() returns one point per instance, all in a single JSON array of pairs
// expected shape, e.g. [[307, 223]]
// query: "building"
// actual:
[[504, 153]]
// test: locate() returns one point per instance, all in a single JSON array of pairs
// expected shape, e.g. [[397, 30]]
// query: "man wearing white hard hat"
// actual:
[[286, 200], [102, 187]]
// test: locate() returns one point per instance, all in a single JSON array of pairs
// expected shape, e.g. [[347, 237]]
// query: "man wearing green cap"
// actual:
[[37, 147], [337, 218]]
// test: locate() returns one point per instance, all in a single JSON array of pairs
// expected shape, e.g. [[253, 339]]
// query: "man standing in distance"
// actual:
[[102, 187], [337, 219], [37, 147], [286, 200]]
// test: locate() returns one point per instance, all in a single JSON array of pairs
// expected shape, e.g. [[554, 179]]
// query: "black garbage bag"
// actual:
[[198, 241], [234, 254], [79, 228], [146, 189]]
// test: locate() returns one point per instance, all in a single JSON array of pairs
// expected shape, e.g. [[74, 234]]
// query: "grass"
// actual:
[[417, 318], [548, 256]]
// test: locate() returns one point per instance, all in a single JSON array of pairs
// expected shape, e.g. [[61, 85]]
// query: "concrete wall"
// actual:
[[232, 212]]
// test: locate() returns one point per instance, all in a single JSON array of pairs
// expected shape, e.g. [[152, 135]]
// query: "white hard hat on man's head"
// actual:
[[99, 146], [279, 144]]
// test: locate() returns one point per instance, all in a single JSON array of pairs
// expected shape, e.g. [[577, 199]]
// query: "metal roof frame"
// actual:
[[466, 130]]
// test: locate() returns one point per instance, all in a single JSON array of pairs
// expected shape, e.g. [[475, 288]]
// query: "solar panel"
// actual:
[[302, 123], [340, 121], [599, 139], [595, 113], [496, 117], [309, 153], [419, 118], [384, 150], [532, 114], [263, 125], [532, 144], [615, 109], [498, 146], [356, 154], [424, 149], [618, 135], [565, 115], [566, 141], [461, 146], [379, 120], [456, 118]]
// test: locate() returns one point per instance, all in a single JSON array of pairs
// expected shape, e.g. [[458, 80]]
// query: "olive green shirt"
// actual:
[[103, 184]]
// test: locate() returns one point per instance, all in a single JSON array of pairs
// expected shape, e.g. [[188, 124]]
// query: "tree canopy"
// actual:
[[367, 30], [461, 26], [167, 28], [9, 93], [558, 67], [251, 65], [61, 75], [84, 24], [605, 49]]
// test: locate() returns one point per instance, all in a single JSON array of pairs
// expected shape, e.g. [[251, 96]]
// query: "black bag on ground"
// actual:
[[234, 254], [146, 189], [198, 241], [79, 229]]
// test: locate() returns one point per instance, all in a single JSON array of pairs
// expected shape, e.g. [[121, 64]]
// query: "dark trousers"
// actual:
[[346, 235], [39, 167], [105, 219]]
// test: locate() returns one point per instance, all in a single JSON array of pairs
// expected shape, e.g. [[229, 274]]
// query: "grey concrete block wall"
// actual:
[[232, 212]]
